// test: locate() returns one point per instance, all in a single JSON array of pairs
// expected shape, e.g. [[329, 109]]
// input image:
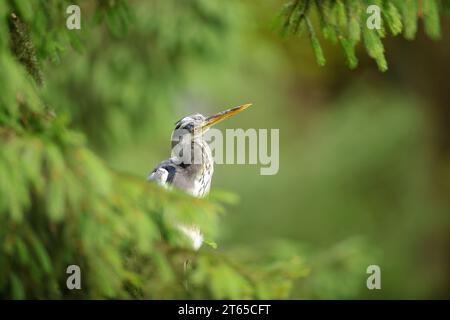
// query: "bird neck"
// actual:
[[192, 152]]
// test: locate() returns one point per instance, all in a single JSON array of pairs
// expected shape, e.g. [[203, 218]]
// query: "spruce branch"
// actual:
[[23, 48], [345, 21]]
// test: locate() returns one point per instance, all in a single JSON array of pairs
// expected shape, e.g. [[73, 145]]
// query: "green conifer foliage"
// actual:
[[60, 204], [344, 21]]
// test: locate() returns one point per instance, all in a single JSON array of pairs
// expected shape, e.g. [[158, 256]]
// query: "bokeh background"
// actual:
[[364, 155]]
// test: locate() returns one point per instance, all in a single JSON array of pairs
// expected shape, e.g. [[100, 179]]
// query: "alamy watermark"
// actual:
[[74, 280], [236, 146], [73, 21], [374, 280], [374, 20]]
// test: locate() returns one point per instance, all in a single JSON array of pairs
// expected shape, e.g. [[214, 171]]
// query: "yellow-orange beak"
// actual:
[[212, 120]]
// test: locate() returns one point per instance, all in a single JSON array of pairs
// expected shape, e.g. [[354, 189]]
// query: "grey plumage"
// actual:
[[191, 174]]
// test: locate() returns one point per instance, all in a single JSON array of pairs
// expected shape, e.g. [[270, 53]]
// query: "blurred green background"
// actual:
[[364, 156]]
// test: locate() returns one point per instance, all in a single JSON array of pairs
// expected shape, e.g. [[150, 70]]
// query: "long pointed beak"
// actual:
[[214, 119]]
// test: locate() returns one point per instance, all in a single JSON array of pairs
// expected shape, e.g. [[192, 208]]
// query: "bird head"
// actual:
[[195, 125]]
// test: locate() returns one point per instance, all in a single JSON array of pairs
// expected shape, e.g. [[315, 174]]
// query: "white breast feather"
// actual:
[[159, 176]]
